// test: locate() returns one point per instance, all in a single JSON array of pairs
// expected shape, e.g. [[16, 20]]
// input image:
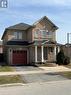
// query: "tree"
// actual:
[[60, 58]]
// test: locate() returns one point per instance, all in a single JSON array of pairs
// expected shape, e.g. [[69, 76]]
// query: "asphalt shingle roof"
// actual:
[[24, 43], [20, 26], [45, 42]]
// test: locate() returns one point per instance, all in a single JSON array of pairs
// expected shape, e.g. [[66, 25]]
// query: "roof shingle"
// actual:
[[20, 26]]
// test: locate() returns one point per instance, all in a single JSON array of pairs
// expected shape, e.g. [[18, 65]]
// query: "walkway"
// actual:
[[35, 70], [55, 69]]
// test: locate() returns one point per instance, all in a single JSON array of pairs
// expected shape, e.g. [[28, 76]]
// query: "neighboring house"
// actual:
[[24, 44], [1, 47], [67, 50], [1, 53]]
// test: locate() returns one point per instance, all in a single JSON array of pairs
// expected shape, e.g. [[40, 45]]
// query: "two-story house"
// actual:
[[24, 44]]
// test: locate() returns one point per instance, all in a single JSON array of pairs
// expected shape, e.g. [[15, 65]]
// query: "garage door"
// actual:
[[19, 57]]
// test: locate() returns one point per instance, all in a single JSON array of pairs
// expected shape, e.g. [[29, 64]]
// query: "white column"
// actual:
[[35, 53], [58, 49], [42, 54]]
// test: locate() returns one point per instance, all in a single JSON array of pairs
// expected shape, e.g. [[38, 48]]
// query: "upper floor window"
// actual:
[[49, 34], [17, 35], [36, 33], [43, 34], [40, 33]]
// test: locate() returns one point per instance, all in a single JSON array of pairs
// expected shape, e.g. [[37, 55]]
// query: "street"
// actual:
[[45, 88]]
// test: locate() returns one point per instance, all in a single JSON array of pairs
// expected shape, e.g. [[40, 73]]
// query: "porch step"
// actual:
[[46, 64]]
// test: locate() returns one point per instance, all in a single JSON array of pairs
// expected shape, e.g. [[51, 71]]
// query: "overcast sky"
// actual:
[[28, 11]]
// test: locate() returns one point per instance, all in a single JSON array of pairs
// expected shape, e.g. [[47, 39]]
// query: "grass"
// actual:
[[11, 79], [66, 74], [68, 66], [6, 68]]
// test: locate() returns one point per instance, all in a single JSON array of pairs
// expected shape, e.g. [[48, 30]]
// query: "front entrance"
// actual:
[[19, 57], [44, 53]]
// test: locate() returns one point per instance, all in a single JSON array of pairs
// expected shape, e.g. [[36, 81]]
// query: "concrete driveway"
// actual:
[[28, 68], [39, 77]]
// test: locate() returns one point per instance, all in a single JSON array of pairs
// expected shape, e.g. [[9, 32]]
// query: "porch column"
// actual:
[[58, 49], [42, 54], [35, 53]]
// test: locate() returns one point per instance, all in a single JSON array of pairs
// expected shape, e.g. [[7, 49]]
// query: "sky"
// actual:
[[29, 11]]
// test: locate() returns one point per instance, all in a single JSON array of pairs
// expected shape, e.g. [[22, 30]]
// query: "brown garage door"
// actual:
[[19, 57]]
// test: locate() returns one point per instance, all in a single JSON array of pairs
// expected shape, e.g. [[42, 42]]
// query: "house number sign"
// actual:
[[3, 3]]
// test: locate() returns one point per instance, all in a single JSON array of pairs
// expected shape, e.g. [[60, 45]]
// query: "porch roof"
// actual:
[[24, 43], [45, 42]]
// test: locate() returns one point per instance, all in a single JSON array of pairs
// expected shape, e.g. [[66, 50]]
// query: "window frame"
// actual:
[[17, 35]]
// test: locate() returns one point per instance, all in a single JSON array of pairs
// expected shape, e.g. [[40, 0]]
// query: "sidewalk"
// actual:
[[43, 70], [55, 69]]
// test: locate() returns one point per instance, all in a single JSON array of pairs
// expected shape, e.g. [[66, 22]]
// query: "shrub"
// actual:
[[66, 60], [1, 57], [60, 58]]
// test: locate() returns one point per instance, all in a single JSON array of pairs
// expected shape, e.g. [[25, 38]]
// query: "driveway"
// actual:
[[39, 77], [28, 68]]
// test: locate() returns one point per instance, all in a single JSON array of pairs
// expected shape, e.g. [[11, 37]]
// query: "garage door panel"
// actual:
[[19, 57]]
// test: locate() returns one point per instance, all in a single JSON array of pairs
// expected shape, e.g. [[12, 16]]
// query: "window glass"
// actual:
[[36, 34], [17, 35], [43, 34]]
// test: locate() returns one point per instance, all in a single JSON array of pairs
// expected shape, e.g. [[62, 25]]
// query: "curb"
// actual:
[[27, 84], [12, 84]]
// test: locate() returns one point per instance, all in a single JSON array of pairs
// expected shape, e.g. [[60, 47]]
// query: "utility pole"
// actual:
[[68, 40], [68, 37]]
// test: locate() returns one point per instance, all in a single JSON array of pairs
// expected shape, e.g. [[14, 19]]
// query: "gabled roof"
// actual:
[[24, 26], [68, 45], [20, 26], [46, 18]]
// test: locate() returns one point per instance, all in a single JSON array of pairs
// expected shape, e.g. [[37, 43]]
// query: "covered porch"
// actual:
[[44, 52]]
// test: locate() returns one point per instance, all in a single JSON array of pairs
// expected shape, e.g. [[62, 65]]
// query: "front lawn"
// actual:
[[66, 74], [6, 69], [68, 66], [11, 79]]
